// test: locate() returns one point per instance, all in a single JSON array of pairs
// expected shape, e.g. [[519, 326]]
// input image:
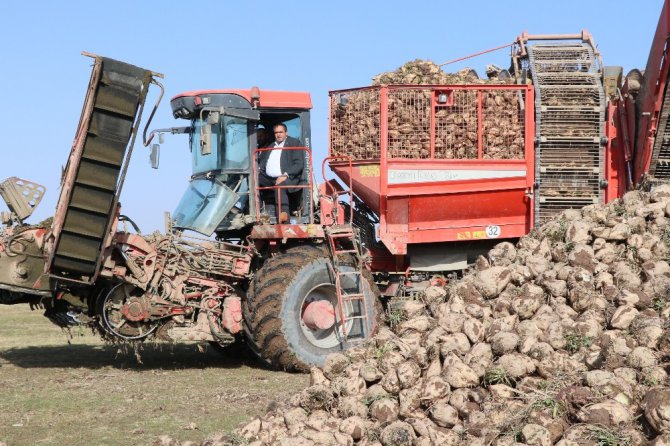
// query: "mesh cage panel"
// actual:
[[456, 127], [571, 95], [571, 153], [563, 58], [409, 123], [355, 125], [416, 120], [571, 122], [502, 125]]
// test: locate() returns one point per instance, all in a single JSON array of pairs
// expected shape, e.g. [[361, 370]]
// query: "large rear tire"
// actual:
[[275, 303]]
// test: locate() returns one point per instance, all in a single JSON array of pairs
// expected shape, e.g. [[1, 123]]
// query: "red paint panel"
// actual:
[[614, 155], [441, 188], [364, 181], [268, 98], [458, 210], [650, 98], [468, 234], [397, 214]]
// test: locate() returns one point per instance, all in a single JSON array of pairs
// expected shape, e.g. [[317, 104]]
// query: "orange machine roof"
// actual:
[[268, 98]]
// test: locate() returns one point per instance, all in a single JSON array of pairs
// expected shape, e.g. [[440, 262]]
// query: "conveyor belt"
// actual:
[[569, 120], [90, 184], [659, 168]]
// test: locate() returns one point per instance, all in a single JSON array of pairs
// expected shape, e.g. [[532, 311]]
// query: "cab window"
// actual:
[[229, 146], [293, 128], [236, 144], [291, 120], [208, 162]]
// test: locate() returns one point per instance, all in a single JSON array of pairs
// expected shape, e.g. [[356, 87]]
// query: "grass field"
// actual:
[[57, 390]]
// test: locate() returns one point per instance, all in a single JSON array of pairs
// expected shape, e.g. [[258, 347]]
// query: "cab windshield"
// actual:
[[208, 199], [204, 205], [229, 146]]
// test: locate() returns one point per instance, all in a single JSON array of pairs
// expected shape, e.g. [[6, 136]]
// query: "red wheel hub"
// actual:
[[319, 315], [136, 309]]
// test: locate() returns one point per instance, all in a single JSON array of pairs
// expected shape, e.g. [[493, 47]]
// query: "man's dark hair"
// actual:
[[281, 124]]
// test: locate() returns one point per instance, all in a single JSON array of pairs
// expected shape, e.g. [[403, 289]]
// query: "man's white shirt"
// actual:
[[273, 168]]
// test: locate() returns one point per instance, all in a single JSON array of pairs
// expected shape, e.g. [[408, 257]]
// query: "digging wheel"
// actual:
[[291, 317], [125, 312]]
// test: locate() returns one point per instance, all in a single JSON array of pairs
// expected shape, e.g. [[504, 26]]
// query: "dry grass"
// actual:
[[84, 392]]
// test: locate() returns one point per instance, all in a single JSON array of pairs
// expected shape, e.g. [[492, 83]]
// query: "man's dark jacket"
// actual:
[[292, 162]]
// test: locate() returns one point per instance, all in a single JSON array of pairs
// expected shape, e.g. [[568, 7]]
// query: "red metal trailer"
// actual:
[[446, 190]]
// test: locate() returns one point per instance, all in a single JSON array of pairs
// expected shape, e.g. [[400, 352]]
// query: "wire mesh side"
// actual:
[[503, 126], [355, 124], [409, 123], [416, 121], [456, 127]]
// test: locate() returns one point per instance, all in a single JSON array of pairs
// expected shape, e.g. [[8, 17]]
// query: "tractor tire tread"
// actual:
[[262, 309]]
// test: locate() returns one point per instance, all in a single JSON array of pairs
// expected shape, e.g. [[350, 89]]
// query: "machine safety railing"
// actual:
[[334, 193], [258, 189]]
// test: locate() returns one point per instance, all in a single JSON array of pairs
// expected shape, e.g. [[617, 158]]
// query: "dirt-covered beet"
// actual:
[[563, 339]]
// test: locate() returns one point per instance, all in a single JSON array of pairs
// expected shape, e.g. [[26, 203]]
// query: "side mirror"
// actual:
[[154, 156], [161, 138]]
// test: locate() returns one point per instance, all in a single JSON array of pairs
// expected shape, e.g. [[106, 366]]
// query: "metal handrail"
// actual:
[[336, 194], [258, 189]]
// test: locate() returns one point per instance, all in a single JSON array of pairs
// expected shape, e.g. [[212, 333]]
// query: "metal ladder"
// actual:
[[343, 245]]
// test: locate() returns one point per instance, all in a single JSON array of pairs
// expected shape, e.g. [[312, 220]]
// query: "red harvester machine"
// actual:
[[433, 175]]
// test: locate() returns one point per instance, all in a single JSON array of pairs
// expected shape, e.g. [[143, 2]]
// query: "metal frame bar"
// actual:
[[257, 188], [652, 95], [336, 194]]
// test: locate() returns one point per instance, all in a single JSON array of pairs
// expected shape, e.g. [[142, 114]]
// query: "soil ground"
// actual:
[[60, 390]]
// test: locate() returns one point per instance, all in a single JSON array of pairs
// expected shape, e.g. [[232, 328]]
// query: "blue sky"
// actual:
[[312, 46]]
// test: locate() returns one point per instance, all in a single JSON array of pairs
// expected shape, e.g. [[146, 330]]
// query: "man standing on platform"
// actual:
[[281, 167]]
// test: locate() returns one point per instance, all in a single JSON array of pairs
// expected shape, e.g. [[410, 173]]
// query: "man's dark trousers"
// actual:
[[267, 181]]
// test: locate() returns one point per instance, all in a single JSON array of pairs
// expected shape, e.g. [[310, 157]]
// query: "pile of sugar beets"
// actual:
[[563, 339], [427, 72]]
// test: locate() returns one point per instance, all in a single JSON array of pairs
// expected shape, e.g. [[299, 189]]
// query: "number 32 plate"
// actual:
[[493, 231]]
